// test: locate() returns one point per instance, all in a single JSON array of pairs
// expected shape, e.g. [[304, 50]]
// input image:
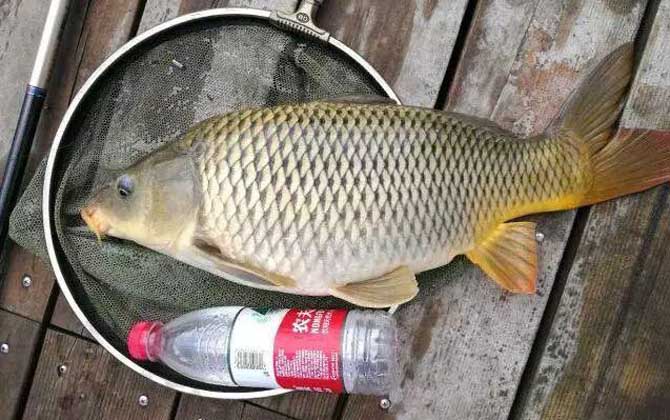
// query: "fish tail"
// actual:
[[609, 166], [622, 163], [630, 163]]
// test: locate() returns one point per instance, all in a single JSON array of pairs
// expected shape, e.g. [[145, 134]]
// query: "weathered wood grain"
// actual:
[[565, 38], [649, 106], [63, 317], [188, 6], [252, 412], [464, 338], [159, 11], [32, 302], [20, 334], [29, 301], [495, 35], [409, 43], [301, 405], [607, 355], [191, 407], [92, 385]]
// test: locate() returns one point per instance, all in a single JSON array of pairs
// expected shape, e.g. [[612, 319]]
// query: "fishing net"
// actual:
[[151, 96]]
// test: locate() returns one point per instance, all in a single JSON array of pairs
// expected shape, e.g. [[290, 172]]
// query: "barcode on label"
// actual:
[[249, 359]]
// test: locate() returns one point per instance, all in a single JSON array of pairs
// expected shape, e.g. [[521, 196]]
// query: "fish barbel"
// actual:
[[352, 197]]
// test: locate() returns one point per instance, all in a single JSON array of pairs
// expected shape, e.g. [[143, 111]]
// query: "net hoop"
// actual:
[[48, 195]]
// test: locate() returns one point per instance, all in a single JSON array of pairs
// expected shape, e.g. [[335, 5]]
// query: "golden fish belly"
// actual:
[[329, 193]]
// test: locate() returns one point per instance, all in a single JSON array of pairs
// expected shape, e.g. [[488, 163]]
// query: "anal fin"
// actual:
[[394, 288], [509, 256]]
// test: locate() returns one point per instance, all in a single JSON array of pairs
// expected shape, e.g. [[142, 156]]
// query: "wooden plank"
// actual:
[[649, 106], [64, 317], [189, 6], [20, 335], [159, 11], [252, 412], [410, 43], [301, 405], [495, 35], [191, 407], [464, 338], [28, 301], [93, 384], [605, 356]]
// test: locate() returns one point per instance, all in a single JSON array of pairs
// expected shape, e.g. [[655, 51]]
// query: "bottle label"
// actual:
[[288, 348], [307, 350], [251, 347]]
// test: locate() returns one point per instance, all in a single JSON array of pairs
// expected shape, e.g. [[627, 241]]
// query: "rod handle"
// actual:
[[19, 151]]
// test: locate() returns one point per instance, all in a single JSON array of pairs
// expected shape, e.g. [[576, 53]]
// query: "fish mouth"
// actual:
[[90, 215]]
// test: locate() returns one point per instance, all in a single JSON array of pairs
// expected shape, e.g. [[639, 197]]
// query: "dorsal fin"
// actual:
[[362, 99], [591, 111]]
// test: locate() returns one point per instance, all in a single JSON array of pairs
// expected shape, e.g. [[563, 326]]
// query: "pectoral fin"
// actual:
[[393, 288], [209, 258], [509, 256]]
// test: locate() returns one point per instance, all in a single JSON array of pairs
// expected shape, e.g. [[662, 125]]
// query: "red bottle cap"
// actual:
[[138, 338]]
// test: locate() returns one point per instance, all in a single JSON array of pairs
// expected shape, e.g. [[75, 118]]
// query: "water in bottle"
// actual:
[[323, 350]]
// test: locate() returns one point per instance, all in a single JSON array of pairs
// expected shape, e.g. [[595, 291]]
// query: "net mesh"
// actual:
[[150, 97]]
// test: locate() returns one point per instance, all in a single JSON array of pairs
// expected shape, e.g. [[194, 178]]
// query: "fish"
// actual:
[[352, 197]]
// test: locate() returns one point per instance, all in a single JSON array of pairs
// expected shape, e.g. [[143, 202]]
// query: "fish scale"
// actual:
[[343, 192]]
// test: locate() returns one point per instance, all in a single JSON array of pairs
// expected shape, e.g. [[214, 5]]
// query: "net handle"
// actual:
[[302, 20]]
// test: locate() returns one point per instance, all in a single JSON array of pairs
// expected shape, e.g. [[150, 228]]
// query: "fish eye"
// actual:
[[124, 186]]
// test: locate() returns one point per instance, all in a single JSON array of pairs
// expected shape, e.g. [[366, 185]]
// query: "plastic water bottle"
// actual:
[[322, 350]]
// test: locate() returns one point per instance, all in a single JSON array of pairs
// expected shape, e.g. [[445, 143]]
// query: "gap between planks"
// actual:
[[456, 54]]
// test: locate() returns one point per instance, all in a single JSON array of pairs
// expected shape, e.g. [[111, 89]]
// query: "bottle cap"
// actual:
[[138, 338]]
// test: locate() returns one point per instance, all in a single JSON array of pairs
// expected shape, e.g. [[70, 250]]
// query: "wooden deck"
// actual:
[[593, 343]]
